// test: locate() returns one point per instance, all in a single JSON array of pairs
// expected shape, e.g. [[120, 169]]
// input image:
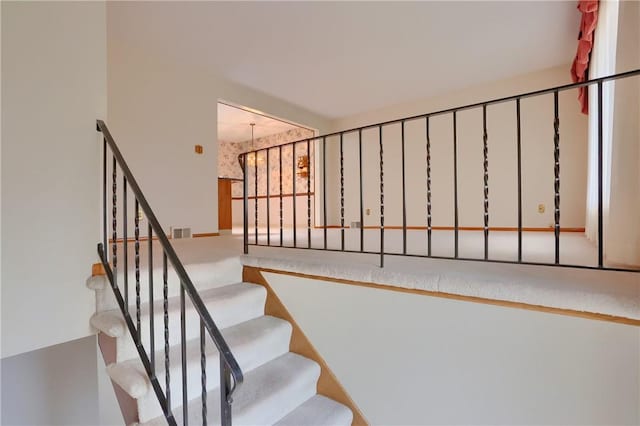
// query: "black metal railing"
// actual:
[[339, 139], [230, 374]]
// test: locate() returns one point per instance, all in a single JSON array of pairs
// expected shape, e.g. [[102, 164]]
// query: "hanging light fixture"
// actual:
[[253, 158]]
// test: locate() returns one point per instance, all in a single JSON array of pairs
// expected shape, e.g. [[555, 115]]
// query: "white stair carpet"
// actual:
[[279, 386]]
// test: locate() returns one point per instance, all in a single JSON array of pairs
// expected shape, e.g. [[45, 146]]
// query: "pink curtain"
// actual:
[[580, 67]]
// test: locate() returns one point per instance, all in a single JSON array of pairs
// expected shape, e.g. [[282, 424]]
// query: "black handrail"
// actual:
[[227, 360]]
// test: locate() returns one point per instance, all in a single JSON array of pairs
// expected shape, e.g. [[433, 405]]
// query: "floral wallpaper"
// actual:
[[228, 165]]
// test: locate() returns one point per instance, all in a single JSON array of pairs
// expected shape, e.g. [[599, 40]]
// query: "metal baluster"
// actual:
[[404, 196], [381, 199], [341, 194], [556, 169], [485, 153], [114, 235], [136, 247], [280, 182], [125, 248], [268, 199], [104, 198], [152, 349], [309, 194], [429, 230], [255, 170], [166, 333], [294, 177], [245, 204], [183, 350], [600, 177], [519, 140], [225, 388], [455, 185], [361, 191], [324, 190], [203, 373]]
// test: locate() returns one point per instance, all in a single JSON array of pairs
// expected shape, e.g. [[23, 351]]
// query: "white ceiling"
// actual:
[[338, 59], [234, 124]]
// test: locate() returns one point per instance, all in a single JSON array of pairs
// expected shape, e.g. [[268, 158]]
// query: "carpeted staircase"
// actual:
[[279, 386]]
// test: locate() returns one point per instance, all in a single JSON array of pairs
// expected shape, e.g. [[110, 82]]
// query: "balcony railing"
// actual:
[[325, 226]]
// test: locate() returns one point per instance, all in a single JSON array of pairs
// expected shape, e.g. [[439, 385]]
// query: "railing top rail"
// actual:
[[214, 332], [462, 108]]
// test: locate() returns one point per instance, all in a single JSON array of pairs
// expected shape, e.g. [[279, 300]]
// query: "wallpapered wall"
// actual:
[[228, 165]]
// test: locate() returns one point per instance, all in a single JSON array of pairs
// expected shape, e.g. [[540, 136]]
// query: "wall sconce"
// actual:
[[303, 166]]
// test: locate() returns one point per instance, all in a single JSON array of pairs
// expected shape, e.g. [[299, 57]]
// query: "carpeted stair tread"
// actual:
[[268, 394], [318, 411], [253, 343]]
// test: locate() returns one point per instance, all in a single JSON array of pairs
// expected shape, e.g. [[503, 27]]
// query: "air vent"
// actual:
[[181, 233]]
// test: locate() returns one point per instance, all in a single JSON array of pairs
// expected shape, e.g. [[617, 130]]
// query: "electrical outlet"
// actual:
[[368, 212], [541, 208]]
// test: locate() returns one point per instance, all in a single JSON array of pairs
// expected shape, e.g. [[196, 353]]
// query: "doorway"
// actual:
[[242, 129]]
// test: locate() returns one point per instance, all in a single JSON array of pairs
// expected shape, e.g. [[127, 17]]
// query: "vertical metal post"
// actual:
[[165, 305], [341, 194], [361, 191], [104, 199], [309, 194], [225, 388], [280, 191], [519, 141], [324, 190], [125, 249], [268, 199], [183, 353], [600, 180], [136, 248], [485, 165], [404, 195], [381, 198], [455, 184], [114, 235], [255, 184], [429, 229], [152, 346], [556, 169], [294, 177], [245, 204], [203, 373]]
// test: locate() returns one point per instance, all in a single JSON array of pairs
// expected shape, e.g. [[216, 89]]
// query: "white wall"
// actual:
[[53, 386], [412, 360], [158, 111], [53, 89], [109, 413], [537, 158]]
